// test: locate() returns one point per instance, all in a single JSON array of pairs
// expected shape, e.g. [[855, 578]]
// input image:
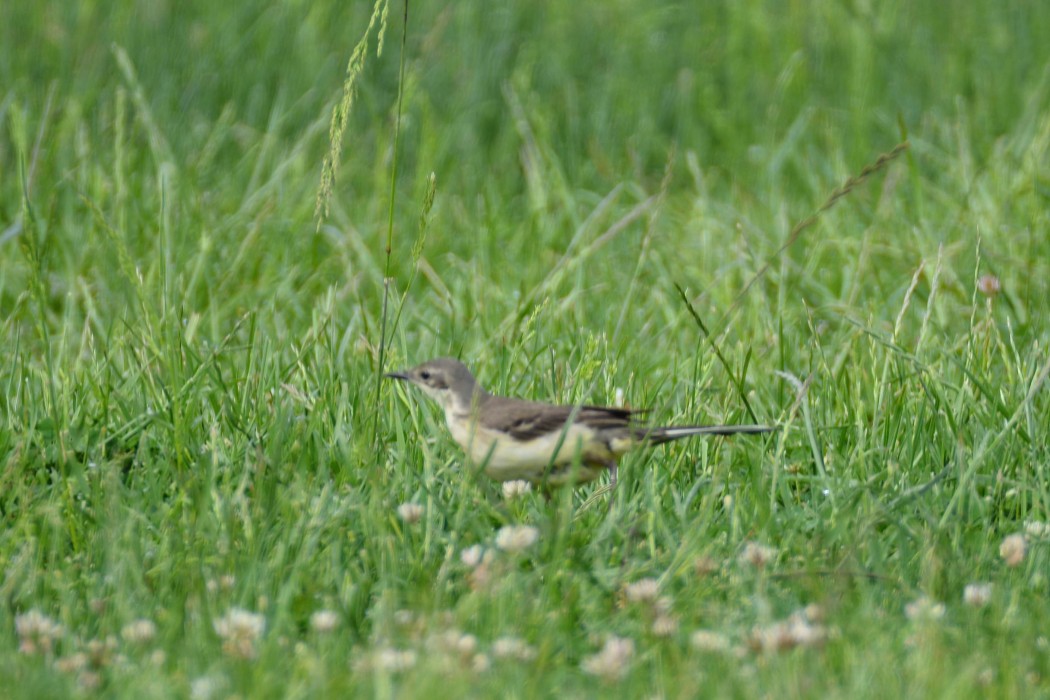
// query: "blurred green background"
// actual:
[[528, 114]]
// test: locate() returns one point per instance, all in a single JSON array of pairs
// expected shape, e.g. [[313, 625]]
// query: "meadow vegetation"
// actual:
[[207, 491]]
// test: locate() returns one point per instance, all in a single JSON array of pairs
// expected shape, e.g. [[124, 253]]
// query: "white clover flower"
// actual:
[[708, 640], [798, 630], [812, 612], [89, 680], [206, 687], [513, 648], [37, 633], [804, 633], [239, 630], [664, 625], [613, 661], [453, 641], [924, 609], [516, 538], [704, 566], [977, 594], [73, 663], [410, 512], [757, 555], [988, 285], [645, 590], [1012, 549], [472, 556], [515, 489], [480, 663], [139, 631], [393, 660], [324, 621], [1037, 530]]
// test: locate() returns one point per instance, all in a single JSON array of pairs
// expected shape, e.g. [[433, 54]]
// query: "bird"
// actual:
[[551, 445]]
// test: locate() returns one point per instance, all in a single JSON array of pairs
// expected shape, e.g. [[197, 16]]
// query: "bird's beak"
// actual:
[[397, 375]]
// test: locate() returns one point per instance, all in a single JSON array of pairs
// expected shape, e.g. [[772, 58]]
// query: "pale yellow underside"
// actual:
[[505, 459]]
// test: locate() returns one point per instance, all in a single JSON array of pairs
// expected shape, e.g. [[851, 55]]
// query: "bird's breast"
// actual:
[[505, 458]]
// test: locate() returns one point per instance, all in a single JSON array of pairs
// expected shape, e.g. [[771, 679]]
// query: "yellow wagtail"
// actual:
[[539, 442]]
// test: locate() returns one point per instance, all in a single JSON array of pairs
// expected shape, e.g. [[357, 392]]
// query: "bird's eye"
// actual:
[[424, 375]]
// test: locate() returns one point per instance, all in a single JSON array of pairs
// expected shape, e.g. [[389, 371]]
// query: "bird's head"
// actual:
[[446, 380]]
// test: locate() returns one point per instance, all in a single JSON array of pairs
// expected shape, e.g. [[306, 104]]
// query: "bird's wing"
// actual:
[[525, 420]]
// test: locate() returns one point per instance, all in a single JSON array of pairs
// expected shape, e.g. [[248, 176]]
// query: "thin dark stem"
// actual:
[[390, 225]]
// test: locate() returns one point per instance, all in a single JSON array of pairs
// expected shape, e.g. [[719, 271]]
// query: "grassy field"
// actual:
[[207, 491]]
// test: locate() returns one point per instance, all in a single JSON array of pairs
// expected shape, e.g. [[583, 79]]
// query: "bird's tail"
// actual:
[[657, 436]]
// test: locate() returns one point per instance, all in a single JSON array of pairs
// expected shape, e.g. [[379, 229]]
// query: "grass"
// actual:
[[192, 420]]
